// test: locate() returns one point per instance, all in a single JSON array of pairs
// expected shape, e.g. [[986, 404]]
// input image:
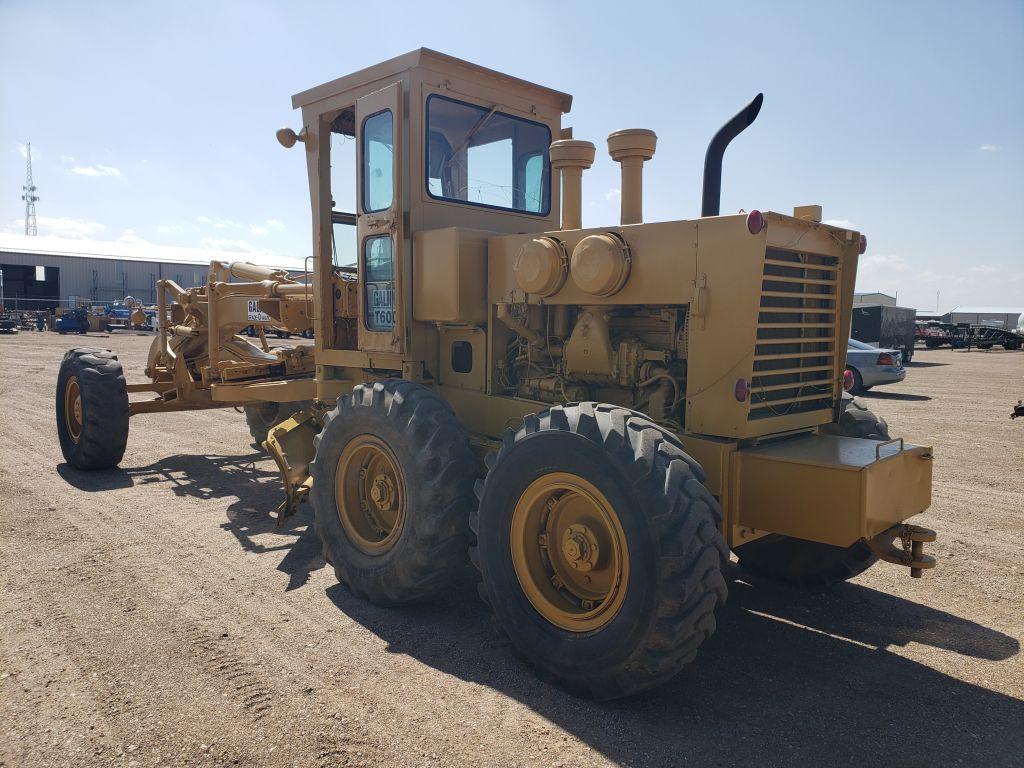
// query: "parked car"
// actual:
[[868, 366]]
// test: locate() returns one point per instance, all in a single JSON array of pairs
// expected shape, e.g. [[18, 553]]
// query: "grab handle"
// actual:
[[879, 446]]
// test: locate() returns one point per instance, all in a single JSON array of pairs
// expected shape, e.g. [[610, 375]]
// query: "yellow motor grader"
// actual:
[[594, 417]]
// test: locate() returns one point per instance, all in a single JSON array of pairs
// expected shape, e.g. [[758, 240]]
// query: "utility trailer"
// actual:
[[885, 327], [964, 336], [988, 336], [593, 417]]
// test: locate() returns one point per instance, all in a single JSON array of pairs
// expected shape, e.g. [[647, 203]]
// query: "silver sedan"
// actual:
[[868, 366]]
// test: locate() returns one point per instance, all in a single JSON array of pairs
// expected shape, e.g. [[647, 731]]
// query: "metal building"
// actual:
[[44, 272], [1000, 317], [874, 298]]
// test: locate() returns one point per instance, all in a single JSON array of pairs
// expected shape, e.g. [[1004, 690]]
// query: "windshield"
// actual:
[[481, 156]]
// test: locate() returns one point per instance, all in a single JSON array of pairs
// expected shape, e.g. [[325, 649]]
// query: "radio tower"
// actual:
[[30, 195]]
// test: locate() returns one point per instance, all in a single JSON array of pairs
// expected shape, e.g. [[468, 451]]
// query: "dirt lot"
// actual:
[[155, 615]]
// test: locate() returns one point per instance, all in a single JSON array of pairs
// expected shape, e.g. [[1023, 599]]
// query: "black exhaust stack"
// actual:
[[712, 197]]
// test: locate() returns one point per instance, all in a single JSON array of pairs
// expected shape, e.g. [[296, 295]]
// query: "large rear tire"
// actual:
[[392, 492], [598, 549], [92, 408], [809, 563]]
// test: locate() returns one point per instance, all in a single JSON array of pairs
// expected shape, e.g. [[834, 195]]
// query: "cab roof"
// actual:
[[425, 57]]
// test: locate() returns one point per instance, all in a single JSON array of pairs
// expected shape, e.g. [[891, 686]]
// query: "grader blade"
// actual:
[[291, 445]]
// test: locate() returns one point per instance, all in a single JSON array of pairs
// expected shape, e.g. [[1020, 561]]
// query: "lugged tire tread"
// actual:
[[686, 529], [104, 395], [440, 447]]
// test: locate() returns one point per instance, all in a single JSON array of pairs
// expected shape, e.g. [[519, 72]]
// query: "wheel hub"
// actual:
[[369, 494], [569, 552], [580, 547], [382, 492]]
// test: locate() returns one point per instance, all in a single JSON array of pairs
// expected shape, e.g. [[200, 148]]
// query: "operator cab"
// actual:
[[424, 141]]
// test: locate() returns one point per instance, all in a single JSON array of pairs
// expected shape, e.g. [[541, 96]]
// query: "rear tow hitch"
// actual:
[[910, 553]]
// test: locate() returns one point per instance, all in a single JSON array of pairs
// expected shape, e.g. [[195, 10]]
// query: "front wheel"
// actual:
[[92, 408], [598, 549], [392, 491]]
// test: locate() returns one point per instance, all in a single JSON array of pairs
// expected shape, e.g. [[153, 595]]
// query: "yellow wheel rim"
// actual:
[[569, 552], [73, 409], [369, 493]]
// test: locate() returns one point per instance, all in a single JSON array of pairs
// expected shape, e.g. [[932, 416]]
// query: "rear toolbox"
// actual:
[[835, 490]]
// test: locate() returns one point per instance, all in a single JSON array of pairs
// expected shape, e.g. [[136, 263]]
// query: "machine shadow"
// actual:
[[923, 364], [256, 492], [790, 676], [905, 396]]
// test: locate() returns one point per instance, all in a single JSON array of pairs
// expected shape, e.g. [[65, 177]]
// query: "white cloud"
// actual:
[[23, 151], [96, 170], [59, 227], [842, 224], [988, 148], [219, 222], [166, 229], [130, 236], [929, 276], [983, 269], [613, 194], [228, 244], [879, 262], [67, 158]]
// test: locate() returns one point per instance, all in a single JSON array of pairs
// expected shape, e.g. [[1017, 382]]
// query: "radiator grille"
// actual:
[[794, 360]]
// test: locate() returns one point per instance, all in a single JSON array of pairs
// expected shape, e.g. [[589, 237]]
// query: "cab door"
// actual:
[[379, 227]]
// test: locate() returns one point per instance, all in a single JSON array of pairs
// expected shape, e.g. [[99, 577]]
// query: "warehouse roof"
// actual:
[[968, 310], [129, 251]]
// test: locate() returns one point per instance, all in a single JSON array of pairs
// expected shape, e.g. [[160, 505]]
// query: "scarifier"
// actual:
[[594, 417]]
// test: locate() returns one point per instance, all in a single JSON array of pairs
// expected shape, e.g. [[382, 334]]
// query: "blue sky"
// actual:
[[155, 121]]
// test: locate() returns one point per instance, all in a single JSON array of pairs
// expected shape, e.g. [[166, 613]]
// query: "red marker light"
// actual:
[[755, 222], [847, 380], [863, 243], [741, 390]]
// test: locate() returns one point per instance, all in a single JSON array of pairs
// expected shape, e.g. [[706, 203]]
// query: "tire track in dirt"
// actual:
[[105, 590]]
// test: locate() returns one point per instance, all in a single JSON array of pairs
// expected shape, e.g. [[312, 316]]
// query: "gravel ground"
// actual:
[[154, 615]]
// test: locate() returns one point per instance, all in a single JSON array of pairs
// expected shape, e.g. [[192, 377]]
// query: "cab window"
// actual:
[[379, 279], [480, 156], [378, 162]]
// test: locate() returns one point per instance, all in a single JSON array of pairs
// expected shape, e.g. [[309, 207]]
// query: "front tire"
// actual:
[[598, 549], [92, 409], [392, 492]]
